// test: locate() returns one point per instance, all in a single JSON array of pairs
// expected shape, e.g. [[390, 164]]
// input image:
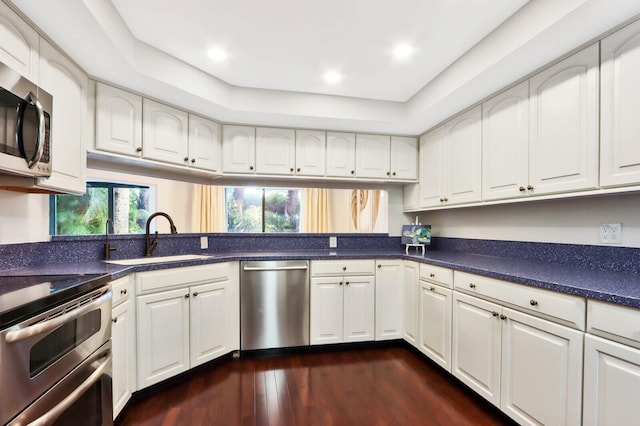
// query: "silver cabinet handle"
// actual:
[[115, 320], [472, 285], [533, 302], [278, 268], [48, 325], [503, 317], [494, 313], [195, 293], [347, 283]]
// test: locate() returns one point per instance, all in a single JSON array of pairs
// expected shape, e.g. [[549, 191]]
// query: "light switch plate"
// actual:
[[333, 242], [204, 243]]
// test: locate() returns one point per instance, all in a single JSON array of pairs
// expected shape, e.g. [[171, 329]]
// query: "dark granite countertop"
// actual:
[[615, 287]]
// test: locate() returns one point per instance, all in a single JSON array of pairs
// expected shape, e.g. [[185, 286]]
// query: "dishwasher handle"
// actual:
[[276, 268]]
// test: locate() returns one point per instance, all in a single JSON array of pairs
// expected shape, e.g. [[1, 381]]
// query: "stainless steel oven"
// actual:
[[55, 367]]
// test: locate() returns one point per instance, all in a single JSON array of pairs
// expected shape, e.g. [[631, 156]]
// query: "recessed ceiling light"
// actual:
[[217, 54], [403, 51], [332, 76]]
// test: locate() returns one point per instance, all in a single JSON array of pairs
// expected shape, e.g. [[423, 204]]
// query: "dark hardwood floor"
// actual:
[[388, 385]]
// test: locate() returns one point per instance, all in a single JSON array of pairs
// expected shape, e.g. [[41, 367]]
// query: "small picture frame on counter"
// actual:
[[416, 235]]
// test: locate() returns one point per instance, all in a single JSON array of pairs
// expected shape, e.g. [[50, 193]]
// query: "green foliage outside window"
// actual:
[[281, 211], [126, 205]]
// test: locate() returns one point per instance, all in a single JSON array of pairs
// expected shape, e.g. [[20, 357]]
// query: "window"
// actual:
[[262, 209], [128, 207]]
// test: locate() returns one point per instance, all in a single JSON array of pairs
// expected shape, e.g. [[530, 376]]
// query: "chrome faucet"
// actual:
[[150, 244], [107, 247]]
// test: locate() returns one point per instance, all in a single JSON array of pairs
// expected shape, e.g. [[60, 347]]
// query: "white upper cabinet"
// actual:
[[564, 111], [310, 153], [165, 133], [238, 149], [431, 191], [620, 91], [463, 158], [20, 44], [505, 144], [372, 156], [404, 158], [205, 144], [341, 154], [118, 121], [68, 85], [385, 157], [275, 151], [450, 162]]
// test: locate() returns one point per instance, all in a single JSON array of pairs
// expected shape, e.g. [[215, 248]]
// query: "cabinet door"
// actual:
[[411, 197], [163, 336], [325, 316], [359, 309], [432, 168], [118, 121], [435, 323], [68, 85], [410, 306], [541, 371], [611, 372], [238, 149], [341, 154], [165, 133], [620, 90], [404, 158], [20, 44], [564, 108], [205, 145], [505, 144], [311, 149], [463, 158], [389, 299], [373, 156], [123, 341], [476, 341], [213, 320], [275, 151]]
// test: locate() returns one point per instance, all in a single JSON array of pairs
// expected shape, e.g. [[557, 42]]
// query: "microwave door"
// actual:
[[8, 119]]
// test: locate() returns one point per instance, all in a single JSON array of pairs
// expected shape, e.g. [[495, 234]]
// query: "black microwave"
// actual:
[[25, 126]]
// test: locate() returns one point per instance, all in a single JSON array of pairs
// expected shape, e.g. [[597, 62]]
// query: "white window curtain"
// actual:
[[208, 212], [315, 210]]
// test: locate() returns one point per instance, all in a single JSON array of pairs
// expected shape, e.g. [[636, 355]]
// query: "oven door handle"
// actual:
[[70, 399], [48, 325]]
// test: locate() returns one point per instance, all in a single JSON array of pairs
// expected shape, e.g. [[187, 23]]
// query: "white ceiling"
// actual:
[[279, 50], [289, 44]]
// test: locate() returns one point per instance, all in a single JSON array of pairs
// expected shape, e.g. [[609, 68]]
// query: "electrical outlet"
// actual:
[[204, 243], [611, 233], [333, 242]]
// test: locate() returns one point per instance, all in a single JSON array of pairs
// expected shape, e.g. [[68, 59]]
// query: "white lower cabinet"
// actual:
[[410, 294], [529, 367], [611, 383], [183, 327], [435, 323], [389, 299], [123, 344], [342, 309]]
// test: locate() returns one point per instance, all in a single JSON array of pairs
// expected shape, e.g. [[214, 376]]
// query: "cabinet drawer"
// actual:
[[147, 282], [342, 267], [121, 288], [563, 308], [615, 322], [436, 274]]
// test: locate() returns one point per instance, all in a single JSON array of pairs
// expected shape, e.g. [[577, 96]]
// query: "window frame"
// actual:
[[110, 186]]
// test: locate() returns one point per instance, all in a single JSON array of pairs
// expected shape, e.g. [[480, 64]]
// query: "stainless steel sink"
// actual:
[[161, 259]]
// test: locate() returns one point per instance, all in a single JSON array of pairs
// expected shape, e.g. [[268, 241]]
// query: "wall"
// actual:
[[574, 221], [23, 217]]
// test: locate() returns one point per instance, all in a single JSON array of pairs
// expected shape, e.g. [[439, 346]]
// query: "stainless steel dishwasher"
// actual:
[[274, 304]]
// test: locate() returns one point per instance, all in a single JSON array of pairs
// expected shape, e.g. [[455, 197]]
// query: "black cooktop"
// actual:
[[22, 297]]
